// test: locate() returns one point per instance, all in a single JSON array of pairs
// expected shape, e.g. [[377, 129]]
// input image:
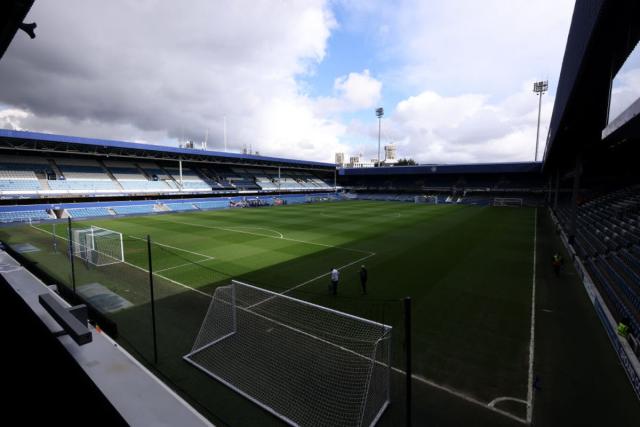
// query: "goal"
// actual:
[[307, 364], [426, 199], [98, 246], [320, 198], [507, 201]]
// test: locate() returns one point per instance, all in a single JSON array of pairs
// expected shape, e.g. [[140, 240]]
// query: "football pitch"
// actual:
[[469, 271]]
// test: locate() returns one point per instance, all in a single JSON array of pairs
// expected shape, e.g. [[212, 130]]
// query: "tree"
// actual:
[[406, 162]]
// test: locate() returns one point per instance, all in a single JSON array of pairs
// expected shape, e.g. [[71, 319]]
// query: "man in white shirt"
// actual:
[[335, 276]]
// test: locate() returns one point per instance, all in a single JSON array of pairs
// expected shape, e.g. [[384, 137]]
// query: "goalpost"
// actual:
[[307, 364], [426, 199], [320, 198], [508, 201], [98, 246]]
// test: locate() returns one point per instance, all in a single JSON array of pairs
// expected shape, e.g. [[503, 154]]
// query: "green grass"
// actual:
[[467, 269]]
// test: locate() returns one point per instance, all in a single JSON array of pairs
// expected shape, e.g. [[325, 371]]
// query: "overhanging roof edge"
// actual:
[[106, 143]]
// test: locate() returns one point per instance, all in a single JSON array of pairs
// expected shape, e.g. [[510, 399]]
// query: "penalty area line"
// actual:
[[206, 257], [299, 285]]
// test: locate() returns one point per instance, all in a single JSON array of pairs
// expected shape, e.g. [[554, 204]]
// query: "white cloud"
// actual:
[[460, 46], [359, 90], [432, 128], [353, 92], [11, 118], [154, 71], [465, 69], [626, 91]]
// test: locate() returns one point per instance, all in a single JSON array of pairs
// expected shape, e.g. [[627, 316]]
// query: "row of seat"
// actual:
[[21, 216], [608, 241], [87, 212]]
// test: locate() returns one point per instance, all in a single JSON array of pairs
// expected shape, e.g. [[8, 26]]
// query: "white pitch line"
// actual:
[[311, 280], [140, 268], [261, 235], [461, 395], [240, 230], [328, 273], [206, 257], [497, 400], [175, 282], [533, 323], [179, 265]]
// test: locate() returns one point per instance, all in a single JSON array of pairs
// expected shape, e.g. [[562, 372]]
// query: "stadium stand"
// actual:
[[88, 212], [23, 215], [59, 171], [180, 206], [608, 240], [133, 209], [213, 204]]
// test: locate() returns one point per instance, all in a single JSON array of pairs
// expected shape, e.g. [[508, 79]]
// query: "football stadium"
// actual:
[[146, 284]]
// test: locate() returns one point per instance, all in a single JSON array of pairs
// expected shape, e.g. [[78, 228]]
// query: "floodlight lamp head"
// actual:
[[541, 87], [379, 112]]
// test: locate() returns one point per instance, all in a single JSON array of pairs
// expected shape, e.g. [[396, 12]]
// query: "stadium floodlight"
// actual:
[[379, 114], [539, 88]]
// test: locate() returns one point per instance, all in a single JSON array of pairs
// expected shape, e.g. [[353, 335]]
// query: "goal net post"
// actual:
[[304, 363], [426, 199], [508, 201], [98, 246]]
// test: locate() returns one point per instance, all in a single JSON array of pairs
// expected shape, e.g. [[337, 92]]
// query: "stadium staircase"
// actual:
[[110, 175]]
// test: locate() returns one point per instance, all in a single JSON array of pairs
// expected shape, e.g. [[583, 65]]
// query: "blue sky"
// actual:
[[294, 78]]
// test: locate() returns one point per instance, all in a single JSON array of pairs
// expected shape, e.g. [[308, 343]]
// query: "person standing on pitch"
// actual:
[[363, 279], [335, 276]]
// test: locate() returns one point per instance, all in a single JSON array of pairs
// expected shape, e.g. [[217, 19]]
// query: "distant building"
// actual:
[[357, 161], [390, 154]]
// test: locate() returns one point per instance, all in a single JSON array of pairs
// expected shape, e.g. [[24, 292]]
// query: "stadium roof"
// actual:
[[603, 33], [519, 167], [12, 12], [44, 142]]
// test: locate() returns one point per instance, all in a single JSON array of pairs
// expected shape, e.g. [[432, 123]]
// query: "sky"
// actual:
[[292, 78]]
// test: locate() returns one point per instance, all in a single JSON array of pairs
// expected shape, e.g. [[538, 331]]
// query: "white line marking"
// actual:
[[328, 273], [497, 400], [311, 280], [206, 257], [461, 395], [171, 280], [261, 235], [179, 265], [241, 230], [532, 341]]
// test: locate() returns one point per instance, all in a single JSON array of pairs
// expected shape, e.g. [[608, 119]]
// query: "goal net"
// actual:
[[426, 199], [507, 201], [98, 246], [307, 364], [320, 198]]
